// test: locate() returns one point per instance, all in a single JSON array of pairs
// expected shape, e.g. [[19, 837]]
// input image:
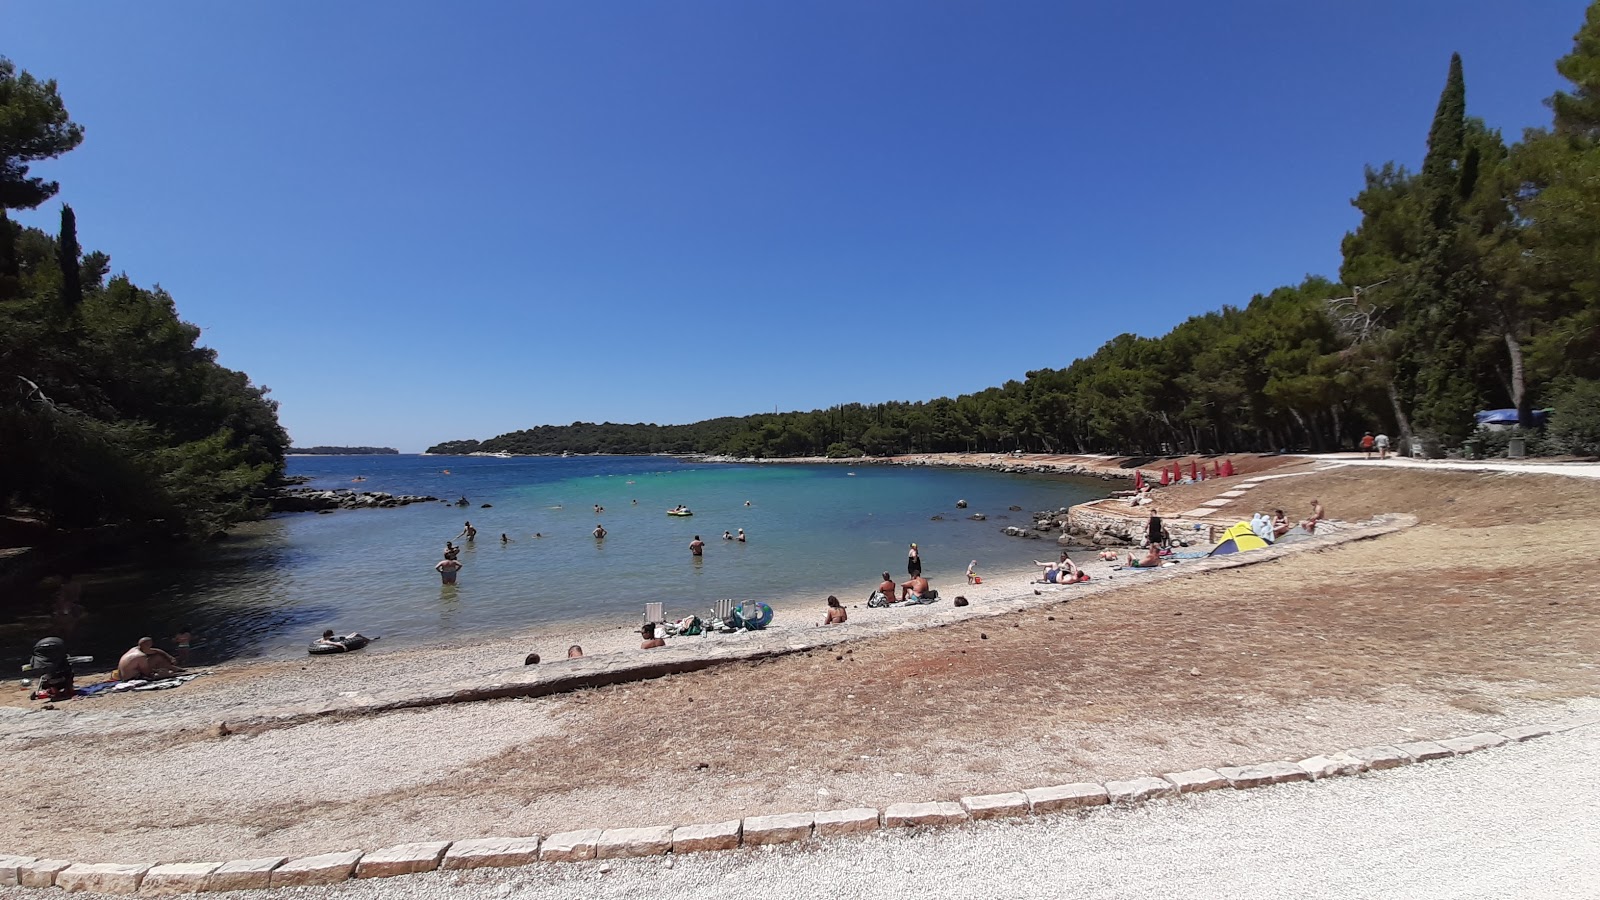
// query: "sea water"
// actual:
[[811, 530]]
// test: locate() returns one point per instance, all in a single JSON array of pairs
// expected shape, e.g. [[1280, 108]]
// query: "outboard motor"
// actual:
[[53, 667]]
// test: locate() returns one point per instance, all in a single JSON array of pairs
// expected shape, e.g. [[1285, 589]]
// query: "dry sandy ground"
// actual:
[[1479, 616]]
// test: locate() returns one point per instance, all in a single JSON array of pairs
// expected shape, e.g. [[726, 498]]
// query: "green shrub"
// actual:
[[1575, 424]]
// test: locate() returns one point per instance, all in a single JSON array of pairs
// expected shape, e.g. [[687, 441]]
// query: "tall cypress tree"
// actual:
[[1442, 166], [1441, 321], [67, 253]]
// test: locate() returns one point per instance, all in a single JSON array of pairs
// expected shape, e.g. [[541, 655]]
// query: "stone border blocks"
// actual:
[[40, 873], [1196, 780], [834, 822], [1383, 756], [8, 869], [324, 868], [177, 878], [101, 878], [1138, 790], [1319, 767], [569, 846], [1265, 773], [783, 829], [619, 843], [753, 831], [1066, 796], [491, 852], [700, 838], [402, 859], [1472, 743], [1519, 734], [997, 806], [245, 874], [905, 815]]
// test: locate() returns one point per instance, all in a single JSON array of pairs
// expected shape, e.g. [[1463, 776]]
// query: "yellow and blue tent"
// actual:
[[1238, 539]]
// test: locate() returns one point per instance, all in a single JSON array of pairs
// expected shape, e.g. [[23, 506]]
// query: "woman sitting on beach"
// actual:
[[1280, 523], [836, 612]]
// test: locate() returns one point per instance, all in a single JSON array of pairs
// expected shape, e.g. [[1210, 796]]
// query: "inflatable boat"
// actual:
[[343, 645], [679, 512]]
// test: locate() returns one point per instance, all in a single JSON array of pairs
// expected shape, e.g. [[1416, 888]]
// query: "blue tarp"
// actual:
[[1508, 417]]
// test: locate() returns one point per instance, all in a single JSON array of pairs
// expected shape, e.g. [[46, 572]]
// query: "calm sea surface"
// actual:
[[813, 530]]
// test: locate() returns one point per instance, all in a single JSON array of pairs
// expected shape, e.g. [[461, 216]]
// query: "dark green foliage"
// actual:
[[67, 253], [1575, 424], [34, 125], [110, 413]]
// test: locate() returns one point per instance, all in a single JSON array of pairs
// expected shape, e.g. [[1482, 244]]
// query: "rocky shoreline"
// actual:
[[300, 499]]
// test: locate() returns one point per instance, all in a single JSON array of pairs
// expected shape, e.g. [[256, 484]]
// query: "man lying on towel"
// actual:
[[1151, 560]]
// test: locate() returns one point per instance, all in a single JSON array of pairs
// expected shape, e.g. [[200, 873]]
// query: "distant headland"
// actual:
[[342, 451]]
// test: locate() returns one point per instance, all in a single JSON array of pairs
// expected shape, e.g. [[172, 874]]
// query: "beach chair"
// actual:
[[653, 614], [723, 610]]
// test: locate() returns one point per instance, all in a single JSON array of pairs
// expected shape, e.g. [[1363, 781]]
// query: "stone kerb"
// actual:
[[779, 829], [177, 878], [403, 859], [330, 868], [101, 878], [245, 874], [491, 852]]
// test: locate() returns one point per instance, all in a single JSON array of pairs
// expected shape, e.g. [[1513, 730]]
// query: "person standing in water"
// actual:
[[451, 551], [599, 532], [697, 547], [468, 532], [447, 569], [740, 538], [505, 538]]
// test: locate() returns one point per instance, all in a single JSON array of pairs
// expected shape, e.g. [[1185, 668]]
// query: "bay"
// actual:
[[812, 530]]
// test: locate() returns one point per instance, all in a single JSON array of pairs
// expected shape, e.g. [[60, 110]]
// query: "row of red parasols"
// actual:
[[1221, 469]]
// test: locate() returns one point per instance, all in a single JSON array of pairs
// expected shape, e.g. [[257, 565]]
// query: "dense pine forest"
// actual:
[[111, 413], [1472, 283]]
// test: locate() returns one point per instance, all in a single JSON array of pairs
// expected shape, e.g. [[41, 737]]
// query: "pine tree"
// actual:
[[1578, 112]]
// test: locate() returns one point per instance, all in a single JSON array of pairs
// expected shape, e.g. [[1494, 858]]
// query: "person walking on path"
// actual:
[[1367, 443], [1382, 443], [913, 562]]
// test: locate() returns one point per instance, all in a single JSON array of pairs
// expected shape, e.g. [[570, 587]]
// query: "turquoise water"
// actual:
[[812, 530]]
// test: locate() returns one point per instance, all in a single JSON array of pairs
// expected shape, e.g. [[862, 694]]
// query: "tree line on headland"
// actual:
[[1471, 283], [111, 413], [342, 451]]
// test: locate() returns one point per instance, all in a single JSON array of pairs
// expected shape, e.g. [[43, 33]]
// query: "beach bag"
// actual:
[[877, 600]]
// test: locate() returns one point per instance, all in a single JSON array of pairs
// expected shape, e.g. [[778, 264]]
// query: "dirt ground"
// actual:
[[1479, 616]]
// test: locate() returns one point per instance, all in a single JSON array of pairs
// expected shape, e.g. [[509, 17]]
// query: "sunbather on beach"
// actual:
[[914, 588], [1151, 560], [836, 612], [1317, 515], [1280, 523], [886, 587], [146, 660], [650, 642], [574, 652]]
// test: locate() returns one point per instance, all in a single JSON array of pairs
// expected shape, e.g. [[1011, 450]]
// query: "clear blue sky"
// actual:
[[417, 222]]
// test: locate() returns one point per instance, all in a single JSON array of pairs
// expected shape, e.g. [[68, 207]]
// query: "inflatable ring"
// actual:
[[753, 615]]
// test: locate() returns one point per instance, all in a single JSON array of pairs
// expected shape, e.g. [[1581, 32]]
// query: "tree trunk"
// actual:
[[1400, 420], [1519, 388]]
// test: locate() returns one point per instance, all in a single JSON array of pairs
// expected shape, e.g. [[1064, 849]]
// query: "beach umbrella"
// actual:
[[1193, 475], [1138, 480], [1227, 468], [1164, 474]]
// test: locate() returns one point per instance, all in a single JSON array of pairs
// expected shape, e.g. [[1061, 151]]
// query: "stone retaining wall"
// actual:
[[615, 843]]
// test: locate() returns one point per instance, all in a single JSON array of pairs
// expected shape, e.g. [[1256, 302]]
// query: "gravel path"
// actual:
[[1517, 821]]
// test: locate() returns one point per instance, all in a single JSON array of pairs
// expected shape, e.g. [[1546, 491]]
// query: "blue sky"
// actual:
[[418, 222]]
